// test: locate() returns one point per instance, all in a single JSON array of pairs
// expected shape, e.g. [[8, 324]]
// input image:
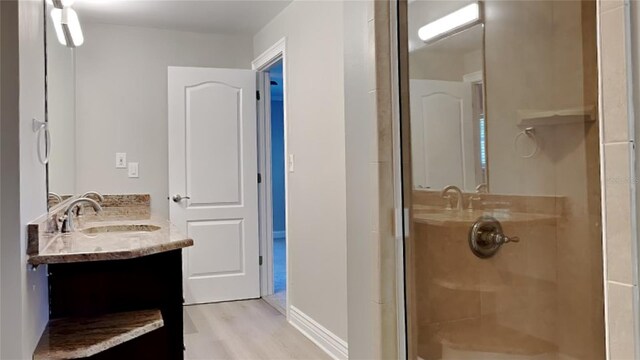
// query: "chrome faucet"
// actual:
[[457, 190], [94, 193], [54, 196], [68, 224], [482, 188], [99, 198]]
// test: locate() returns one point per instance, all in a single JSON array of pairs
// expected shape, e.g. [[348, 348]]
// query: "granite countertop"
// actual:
[[73, 338], [124, 241]]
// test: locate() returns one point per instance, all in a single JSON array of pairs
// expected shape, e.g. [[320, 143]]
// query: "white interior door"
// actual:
[[442, 134], [213, 166]]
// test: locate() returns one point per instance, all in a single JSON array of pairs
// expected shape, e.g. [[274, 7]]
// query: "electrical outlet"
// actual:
[[133, 170], [121, 160]]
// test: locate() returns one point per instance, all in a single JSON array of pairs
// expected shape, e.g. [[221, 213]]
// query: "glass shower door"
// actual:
[[504, 260]]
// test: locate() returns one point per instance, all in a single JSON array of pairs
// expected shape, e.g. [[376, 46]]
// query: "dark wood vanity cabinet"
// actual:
[[89, 289]]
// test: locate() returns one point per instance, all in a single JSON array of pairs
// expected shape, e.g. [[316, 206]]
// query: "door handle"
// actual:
[[177, 198]]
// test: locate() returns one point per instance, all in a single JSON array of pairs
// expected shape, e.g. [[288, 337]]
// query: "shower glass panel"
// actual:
[[501, 161]]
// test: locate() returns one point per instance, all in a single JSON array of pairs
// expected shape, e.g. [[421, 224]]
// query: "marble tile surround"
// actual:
[[620, 249], [453, 286], [373, 317]]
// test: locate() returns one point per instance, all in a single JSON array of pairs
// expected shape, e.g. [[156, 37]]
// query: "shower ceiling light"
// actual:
[[450, 24], [67, 26]]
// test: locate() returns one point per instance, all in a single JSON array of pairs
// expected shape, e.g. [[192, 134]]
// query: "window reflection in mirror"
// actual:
[[448, 123]]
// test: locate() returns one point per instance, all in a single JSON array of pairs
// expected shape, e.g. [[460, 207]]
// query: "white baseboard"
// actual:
[[325, 339], [279, 234]]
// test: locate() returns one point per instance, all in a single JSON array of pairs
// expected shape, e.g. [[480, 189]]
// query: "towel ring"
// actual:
[[41, 129], [529, 132]]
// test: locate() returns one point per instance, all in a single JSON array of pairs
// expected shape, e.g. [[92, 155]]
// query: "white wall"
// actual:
[[121, 103], [361, 131], [24, 302], [316, 136]]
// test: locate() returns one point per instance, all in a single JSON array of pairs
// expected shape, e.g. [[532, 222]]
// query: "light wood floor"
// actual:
[[244, 330], [278, 300]]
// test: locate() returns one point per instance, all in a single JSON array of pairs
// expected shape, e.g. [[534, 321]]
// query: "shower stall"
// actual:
[[501, 173]]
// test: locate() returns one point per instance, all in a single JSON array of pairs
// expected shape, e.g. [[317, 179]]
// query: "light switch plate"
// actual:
[[133, 170], [292, 163], [121, 160]]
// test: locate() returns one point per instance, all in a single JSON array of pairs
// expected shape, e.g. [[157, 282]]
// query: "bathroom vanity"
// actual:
[[115, 285]]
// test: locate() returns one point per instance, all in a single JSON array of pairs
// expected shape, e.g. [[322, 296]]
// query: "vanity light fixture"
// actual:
[[67, 26], [450, 24]]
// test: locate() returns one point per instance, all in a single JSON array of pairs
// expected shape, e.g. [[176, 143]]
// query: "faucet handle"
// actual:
[[473, 198], [54, 223], [507, 239], [65, 227]]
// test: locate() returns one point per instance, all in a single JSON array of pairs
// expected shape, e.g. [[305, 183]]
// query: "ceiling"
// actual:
[[243, 17]]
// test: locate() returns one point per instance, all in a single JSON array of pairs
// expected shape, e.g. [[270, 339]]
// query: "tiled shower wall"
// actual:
[[617, 180], [371, 248]]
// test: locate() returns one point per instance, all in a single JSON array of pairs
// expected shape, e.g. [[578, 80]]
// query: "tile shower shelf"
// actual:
[[73, 338], [556, 117]]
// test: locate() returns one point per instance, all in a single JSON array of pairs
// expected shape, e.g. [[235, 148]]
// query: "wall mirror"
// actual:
[[60, 112], [107, 81], [446, 67]]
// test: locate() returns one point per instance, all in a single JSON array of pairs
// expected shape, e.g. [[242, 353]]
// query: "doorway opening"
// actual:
[[273, 170], [278, 203]]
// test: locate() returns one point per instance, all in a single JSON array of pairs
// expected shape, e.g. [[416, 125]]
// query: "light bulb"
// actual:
[[455, 20]]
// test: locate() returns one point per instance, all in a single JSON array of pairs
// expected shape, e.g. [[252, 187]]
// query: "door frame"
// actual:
[[265, 60], [401, 199]]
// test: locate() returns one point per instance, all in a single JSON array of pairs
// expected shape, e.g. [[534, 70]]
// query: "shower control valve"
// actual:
[[486, 237]]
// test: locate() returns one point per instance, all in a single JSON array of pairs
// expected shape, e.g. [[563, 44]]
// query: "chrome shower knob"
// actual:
[[486, 237]]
